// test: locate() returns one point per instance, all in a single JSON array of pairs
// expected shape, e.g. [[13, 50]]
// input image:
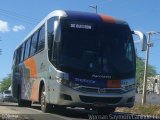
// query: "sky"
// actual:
[[19, 17]]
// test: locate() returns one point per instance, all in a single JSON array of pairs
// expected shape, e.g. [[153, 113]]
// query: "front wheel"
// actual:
[[45, 107]]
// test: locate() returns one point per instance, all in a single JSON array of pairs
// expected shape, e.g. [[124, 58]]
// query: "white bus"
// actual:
[[76, 59]]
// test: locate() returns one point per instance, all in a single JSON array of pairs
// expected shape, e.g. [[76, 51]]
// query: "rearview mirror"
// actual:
[[143, 39]]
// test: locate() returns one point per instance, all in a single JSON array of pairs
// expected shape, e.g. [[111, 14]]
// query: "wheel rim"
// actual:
[[43, 98]]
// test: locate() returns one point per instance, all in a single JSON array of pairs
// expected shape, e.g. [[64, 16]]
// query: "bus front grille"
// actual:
[[107, 100], [93, 90]]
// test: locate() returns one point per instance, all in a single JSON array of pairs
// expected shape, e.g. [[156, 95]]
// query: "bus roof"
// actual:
[[93, 16], [76, 15]]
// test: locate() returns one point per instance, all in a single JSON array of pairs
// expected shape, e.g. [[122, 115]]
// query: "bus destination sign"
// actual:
[[81, 26]]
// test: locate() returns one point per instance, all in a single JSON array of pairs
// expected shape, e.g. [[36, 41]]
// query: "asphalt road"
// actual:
[[10, 111]]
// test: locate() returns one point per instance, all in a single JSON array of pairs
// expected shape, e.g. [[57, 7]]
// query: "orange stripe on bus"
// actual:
[[35, 93], [31, 65], [113, 83], [108, 19]]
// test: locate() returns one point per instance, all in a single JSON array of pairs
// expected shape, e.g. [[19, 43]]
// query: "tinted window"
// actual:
[[91, 51], [7, 92], [34, 44], [18, 55], [22, 52], [27, 49], [80, 50], [50, 36], [14, 58], [41, 39], [117, 44]]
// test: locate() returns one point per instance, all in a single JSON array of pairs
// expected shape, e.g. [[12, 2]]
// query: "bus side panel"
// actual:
[[16, 78], [42, 72], [30, 83]]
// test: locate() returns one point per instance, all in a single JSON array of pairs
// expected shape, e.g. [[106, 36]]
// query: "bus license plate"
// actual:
[[99, 104]]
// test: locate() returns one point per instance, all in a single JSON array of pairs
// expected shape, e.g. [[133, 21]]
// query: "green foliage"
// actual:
[[140, 72], [5, 83]]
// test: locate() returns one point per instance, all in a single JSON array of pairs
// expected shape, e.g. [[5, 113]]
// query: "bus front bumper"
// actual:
[[74, 98]]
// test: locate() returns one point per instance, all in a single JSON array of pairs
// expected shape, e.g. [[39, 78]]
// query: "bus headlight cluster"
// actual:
[[68, 83], [129, 87]]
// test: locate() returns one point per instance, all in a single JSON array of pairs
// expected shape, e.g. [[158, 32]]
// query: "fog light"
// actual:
[[67, 97], [131, 99]]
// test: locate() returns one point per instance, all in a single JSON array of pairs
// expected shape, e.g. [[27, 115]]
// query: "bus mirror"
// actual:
[[143, 39], [57, 31]]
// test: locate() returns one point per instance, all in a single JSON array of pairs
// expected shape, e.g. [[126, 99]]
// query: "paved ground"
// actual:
[[9, 111]]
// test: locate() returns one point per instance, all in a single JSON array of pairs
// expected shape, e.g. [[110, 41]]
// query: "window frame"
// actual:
[[22, 52], [36, 46], [26, 43], [38, 41]]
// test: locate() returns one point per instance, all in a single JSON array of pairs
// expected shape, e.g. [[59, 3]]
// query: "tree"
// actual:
[[5, 83], [140, 72]]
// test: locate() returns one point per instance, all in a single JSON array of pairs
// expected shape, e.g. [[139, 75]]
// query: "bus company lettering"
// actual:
[[101, 76], [81, 26], [85, 81]]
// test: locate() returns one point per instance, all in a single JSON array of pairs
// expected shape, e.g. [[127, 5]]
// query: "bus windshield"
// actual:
[[102, 49]]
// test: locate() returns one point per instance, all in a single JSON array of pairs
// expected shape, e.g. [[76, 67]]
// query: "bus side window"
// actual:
[[14, 57], [18, 55], [41, 39], [16, 60], [34, 44], [27, 49], [22, 52], [50, 35]]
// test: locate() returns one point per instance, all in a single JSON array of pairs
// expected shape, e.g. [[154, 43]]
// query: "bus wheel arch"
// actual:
[[40, 89], [45, 107]]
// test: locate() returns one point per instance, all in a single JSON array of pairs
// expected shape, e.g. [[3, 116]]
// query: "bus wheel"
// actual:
[[45, 107], [106, 110]]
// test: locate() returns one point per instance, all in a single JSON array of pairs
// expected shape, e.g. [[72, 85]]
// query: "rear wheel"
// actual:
[[45, 107], [106, 110]]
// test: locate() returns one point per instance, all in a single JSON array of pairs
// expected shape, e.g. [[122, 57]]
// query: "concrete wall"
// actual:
[[150, 98]]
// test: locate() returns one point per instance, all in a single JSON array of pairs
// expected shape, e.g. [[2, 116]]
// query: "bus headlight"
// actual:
[[67, 83], [129, 87]]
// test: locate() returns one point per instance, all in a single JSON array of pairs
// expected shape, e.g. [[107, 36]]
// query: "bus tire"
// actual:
[[105, 110], [45, 107]]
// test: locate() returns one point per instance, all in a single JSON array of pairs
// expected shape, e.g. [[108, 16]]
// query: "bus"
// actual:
[[77, 59]]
